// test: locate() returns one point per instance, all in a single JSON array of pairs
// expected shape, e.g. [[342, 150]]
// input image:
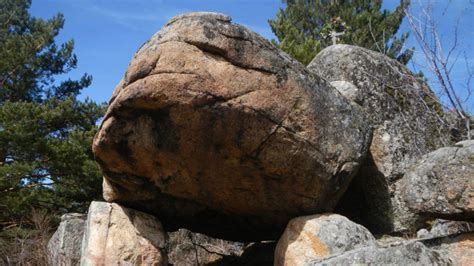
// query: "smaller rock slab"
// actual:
[[189, 248], [441, 183], [115, 235], [64, 247], [313, 237], [185, 247]]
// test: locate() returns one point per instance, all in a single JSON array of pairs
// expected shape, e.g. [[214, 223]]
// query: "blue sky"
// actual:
[[108, 32]]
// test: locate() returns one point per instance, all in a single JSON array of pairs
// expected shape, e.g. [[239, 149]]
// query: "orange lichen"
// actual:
[[463, 250], [319, 248]]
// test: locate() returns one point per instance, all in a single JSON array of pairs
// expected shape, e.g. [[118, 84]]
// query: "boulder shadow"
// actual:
[[255, 254], [367, 200]]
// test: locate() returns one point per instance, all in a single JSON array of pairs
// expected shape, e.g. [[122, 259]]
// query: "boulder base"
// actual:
[[189, 248]]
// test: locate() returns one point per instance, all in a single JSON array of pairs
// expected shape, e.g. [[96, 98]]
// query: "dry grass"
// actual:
[[26, 243]]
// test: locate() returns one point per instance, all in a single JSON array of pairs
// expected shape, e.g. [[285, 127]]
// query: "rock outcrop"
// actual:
[[64, 247], [215, 129], [314, 237], [441, 183], [405, 116], [226, 139], [115, 235]]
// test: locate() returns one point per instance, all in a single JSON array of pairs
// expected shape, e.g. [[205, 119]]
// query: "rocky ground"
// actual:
[[219, 149]]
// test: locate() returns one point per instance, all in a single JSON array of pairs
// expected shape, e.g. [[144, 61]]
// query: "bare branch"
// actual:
[[440, 64]]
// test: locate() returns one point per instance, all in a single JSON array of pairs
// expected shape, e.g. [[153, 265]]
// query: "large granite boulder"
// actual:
[[64, 247], [215, 129], [318, 236], [406, 119], [441, 183], [115, 235]]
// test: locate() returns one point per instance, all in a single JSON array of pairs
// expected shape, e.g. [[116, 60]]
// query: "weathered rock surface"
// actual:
[[441, 183], [409, 253], [115, 235], [64, 247], [319, 236], [216, 130], [390, 250], [406, 124]]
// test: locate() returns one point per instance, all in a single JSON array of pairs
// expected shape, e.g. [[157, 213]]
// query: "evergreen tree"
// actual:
[[45, 131], [305, 27]]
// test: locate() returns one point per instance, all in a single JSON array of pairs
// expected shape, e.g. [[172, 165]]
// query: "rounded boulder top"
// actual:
[[201, 15]]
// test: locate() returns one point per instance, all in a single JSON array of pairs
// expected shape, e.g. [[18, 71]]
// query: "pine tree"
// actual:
[[45, 130], [305, 27]]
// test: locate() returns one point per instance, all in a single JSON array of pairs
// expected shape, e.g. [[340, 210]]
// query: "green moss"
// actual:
[[399, 97], [433, 104], [390, 91]]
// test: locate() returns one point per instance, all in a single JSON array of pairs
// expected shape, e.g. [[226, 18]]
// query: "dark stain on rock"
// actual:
[[367, 199], [208, 33], [128, 185], [123, 149], [165, 137]]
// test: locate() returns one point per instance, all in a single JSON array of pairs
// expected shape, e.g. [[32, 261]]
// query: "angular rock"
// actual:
[[408, 253], [318, 236], [115, 235], [64, 247], [442, 227], [188, 248], [216, 130], [441, 183], [406, 120]]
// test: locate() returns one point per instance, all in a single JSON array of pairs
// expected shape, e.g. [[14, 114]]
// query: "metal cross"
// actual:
[[334, 36]]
